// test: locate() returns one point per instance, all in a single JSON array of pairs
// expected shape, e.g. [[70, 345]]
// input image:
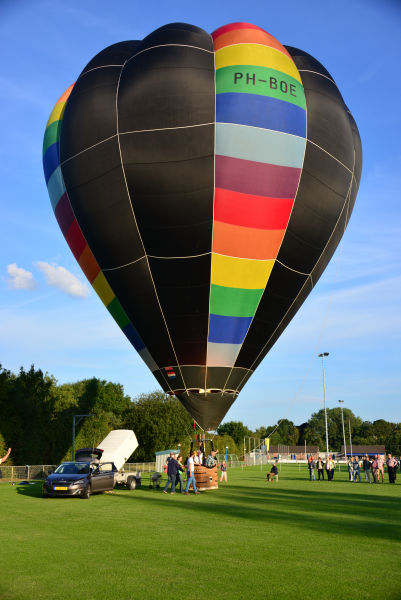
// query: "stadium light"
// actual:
[[322, 355], [342, 419]]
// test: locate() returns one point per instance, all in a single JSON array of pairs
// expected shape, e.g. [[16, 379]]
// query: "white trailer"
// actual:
[[117, 447]]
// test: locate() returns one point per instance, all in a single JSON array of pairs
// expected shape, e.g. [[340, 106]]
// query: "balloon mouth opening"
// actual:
[[201, 391]]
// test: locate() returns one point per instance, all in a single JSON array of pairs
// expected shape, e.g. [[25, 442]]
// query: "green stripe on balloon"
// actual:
[[52, 135], [234, 302], [267, 82], [118, 313]]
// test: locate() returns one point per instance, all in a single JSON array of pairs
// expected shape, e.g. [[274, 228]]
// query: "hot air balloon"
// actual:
[[203, 183]]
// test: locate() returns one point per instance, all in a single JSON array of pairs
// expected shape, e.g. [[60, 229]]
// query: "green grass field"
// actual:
[[294, 539]]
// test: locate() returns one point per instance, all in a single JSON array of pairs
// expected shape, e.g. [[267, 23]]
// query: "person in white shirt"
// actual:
[[191, 474]]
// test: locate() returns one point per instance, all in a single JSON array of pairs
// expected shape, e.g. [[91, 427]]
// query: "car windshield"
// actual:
[[72, 468]]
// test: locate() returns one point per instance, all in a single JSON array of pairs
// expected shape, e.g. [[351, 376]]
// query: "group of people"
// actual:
[[321, 465], [175, 469], [371, 467]]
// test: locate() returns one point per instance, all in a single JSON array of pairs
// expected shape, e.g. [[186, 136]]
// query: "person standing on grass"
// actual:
[[311, 467], [374, 469], [172, 470], [223, 469], [329, 467], [380, 468], [367, 466], [391, 468], [357, 472], [350, 469], [178, 479], [320, 469], [191, 474], [365, 460]]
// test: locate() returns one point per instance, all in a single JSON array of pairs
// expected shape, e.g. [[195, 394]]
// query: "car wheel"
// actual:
[[131, 483], [44, 493], [86, 493]]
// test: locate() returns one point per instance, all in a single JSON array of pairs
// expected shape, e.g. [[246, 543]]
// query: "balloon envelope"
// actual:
[[203, 182]]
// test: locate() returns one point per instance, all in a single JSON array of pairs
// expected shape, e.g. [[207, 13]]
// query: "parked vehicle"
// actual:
[[81, 479], [95, 470]]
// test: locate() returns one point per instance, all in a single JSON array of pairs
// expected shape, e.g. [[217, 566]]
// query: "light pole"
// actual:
[[350, 438], [226, 454], [79, 417], [322, 355], [342, 419]]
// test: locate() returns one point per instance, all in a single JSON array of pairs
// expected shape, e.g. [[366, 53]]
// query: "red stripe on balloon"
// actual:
[[64, 214], [248, 210], [75, 239], [232, 26], [255, 178]]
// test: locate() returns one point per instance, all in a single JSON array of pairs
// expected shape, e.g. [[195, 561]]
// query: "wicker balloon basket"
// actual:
[[206, 479]]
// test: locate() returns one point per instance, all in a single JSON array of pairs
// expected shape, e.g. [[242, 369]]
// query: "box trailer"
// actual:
[[117, 446]]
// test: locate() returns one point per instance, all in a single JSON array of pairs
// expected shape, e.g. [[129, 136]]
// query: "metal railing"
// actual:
[[29, 472]]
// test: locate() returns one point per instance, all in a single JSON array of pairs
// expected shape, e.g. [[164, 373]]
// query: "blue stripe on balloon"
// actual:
[[56, 187], [228, 330], [51, 160], [261, 111], [134, 337]]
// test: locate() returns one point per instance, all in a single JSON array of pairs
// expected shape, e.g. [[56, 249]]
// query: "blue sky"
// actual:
[[49, 316]]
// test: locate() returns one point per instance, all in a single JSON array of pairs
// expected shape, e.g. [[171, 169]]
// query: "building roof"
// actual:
[[356, 450], [293, 449]]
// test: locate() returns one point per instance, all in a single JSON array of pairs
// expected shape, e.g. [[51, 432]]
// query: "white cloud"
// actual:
[[61, 278], [20, 279]]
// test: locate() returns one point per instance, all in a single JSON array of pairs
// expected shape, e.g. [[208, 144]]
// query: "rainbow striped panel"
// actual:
[[260, 147], [73, 234]]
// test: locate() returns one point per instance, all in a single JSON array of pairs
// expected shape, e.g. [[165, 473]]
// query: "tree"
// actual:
[[160, 422], [236, 430]]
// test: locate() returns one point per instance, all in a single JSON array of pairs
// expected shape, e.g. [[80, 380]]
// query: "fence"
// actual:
[[28, 472]]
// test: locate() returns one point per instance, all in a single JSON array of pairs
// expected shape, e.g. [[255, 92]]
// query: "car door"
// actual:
[[105, 477]]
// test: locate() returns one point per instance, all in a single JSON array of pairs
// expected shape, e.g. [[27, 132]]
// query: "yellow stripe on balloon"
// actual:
[[241, 273], [256, 55], [57, 113], [103, 289]]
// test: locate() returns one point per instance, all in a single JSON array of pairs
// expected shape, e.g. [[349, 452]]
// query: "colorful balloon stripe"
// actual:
[[255, 55], [249, 34], [234, 302], [259, 179], [246, 242], [73, 234], [261, 81], [260, 111], [260, 147], [247, 210], [228, 330]]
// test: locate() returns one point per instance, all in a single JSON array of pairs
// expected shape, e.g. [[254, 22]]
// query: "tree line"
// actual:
[[36, 416]]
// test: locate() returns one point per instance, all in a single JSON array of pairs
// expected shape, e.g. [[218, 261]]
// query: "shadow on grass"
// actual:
[[33, 489], [331, 512]]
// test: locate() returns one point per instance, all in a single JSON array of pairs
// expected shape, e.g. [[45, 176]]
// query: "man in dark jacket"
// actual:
[[367, 467], [172, 470]]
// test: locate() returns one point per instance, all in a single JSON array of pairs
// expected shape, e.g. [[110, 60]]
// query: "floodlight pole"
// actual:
[[322, 355], [350, 439], [342, 419], [79, 417]]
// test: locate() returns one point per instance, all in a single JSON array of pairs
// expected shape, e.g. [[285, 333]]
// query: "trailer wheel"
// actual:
[[131, 483]]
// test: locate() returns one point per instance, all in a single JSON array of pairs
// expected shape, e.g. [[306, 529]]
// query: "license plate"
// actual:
[[60, 488]]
